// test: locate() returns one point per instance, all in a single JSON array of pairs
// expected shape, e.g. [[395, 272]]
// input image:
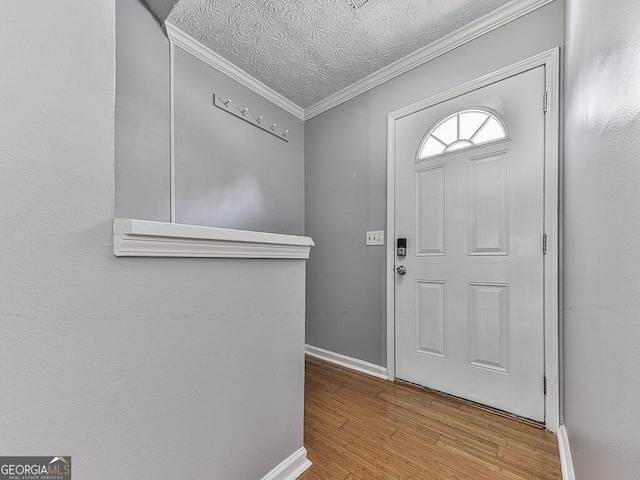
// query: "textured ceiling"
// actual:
[[308, 50]]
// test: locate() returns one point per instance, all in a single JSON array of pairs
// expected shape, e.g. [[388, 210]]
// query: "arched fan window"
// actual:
[[460, 130]]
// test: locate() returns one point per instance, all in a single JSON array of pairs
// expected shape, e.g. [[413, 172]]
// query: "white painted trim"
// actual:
[[143, 238], [172, 136], [291, 468], [552, 208], [491, 21], [347, 362], [566, 464], [391, 248], [551, 61], [198, 50]]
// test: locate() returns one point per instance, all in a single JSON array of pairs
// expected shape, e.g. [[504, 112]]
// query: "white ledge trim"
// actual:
[[144, 238]]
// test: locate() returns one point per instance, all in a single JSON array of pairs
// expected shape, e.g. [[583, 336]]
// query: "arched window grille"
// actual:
[[460, 130]]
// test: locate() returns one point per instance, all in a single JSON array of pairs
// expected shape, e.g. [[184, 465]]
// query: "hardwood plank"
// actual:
[[535, 448], [424, 394], [324, 467], [530, 434], [443, 428], [361, 427], [445, 457], [354, 379], [367, 448], [344, 457], [313, 409], [351, 412], [496, 464], [309, 475], [551, 469], [413, 458], [322, 383]]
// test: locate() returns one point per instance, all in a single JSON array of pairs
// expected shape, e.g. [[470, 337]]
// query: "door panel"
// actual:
[[430, 211], [489, 326], [430, 318], [469, 311], [488, 208]]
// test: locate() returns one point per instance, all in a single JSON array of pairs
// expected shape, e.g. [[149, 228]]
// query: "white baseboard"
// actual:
[[291, 468], [565, 455], [347, 362]]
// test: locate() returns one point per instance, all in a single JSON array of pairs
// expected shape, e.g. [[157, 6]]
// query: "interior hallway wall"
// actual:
[[228, 173], [345, 181], [142, 116], [602, 238], [136, 367]]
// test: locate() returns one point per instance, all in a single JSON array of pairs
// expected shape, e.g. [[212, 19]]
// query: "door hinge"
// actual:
[[544, 384], [545, 102], [544, 244]]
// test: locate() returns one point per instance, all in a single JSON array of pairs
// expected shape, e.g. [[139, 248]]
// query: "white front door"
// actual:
[[469, 199]]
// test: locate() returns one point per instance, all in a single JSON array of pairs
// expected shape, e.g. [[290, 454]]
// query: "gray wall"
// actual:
[[230, 173], [136, 367], [143, 127], [346, 184], [602, 238]]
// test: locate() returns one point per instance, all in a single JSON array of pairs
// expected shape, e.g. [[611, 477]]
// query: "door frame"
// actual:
[[550, 59]]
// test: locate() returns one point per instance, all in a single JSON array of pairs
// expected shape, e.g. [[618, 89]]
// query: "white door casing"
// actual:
[[488, 328]]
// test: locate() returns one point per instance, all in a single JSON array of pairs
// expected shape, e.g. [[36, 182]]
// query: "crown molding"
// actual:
[[187, 43], [469, 32], [144, 238]]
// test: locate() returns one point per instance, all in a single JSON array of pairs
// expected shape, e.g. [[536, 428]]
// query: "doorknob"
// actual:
[[401, 270]]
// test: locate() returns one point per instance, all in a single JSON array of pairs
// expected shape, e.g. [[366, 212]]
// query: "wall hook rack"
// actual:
[[244, 114]]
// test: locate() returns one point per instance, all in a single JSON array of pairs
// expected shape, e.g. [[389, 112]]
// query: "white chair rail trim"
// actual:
[[144, 238]]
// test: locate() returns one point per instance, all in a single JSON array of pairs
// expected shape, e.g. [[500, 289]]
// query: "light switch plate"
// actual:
[[375, 238]]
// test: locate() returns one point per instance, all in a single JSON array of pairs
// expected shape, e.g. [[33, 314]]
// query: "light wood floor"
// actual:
[[359, 427]]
